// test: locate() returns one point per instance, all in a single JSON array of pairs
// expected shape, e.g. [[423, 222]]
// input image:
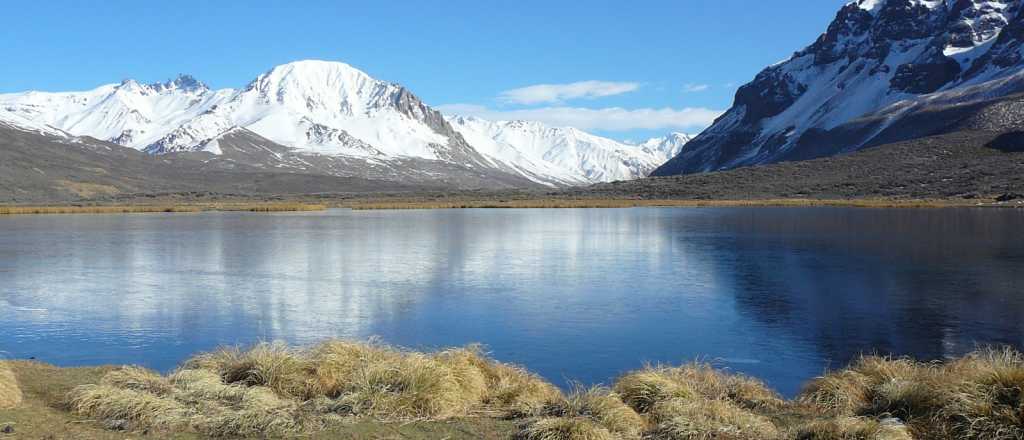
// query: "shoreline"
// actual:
[[662, 203], [315, 203], [161, 208], [345, 389]]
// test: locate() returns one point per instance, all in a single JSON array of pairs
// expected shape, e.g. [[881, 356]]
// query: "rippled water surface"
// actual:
[[582, 295]]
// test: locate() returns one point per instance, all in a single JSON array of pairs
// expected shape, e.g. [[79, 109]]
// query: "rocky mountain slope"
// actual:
[[885, 71], [970, 166], [318, 117], [41, 167]]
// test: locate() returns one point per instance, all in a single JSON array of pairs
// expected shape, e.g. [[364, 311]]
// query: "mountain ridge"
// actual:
[[326, 110], [885, 61], [576, 156]]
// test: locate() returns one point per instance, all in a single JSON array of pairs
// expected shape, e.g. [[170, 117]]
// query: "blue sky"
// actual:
[[622, 69]]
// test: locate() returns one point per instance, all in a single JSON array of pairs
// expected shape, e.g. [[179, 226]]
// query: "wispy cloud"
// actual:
[[606, 119], [694, 88], [557, 93]]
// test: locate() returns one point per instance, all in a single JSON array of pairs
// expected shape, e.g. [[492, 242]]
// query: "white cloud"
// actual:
[[556, 93], [607, 119], [694, 88]]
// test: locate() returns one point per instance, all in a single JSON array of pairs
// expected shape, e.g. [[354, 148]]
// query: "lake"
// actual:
[[573, 294]]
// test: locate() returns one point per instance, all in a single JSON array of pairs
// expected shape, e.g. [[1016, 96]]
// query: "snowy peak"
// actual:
[[327, 108], [317, 87], [128, 113], [668, 146], [184, 83], [877, 6], [323, 88]]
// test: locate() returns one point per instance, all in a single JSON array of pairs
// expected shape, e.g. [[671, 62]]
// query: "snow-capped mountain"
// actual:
[[868, 80], [571, 155], [667, 146], [329, 112], [326, 108], [129, 113]]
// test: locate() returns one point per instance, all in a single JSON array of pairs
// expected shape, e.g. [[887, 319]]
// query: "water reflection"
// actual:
[[928, 284], [573, 294]]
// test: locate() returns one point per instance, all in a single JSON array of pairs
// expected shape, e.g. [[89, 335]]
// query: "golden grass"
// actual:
[[83, 189], [44, 414], [107, 402], [273, 365], [696, 381], [682, 419], [274, 389], [562, 428], [10, 392], [109, 209], [840, 393], [600, 407], [977, 397], [852, 428], [697, 402], [138, 379], [634, 203]]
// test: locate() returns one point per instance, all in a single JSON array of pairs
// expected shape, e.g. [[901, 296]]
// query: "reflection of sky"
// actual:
[[572, 294]]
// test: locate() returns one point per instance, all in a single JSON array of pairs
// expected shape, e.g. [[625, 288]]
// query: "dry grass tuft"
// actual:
[[515, 391], [557, 428], [273, 365], [195, 387], [10, 393], [333, 365], [138, 379], [852, 428], [642, 389], [107, 402], [645, 388], [841, 393], [259, 412], [386, 382], [976, 397], [681, 419], [988, 400], [601, 406], [875, 386], [409, 386], [273, 389]]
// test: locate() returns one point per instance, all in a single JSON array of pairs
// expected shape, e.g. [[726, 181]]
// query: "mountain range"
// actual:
[[885, 71], [333, 119]]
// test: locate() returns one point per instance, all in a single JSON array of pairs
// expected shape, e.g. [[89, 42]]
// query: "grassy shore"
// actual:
[[464, 201], [341, 389], [634, 203], [128, 209], [461, 201]]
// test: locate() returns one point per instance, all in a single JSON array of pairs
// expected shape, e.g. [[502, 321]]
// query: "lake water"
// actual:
[[575, 295]]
